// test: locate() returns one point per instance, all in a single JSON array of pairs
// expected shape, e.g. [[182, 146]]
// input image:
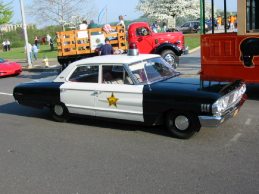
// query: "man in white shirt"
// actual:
[[83, 26], [121, 21], [48, 38]]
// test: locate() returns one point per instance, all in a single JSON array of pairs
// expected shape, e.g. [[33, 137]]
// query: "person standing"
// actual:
[[4, 46], [83, 26], [8, 45], [92, 25], [155, 27], [219, 22], [164, 27], [36, 40], [121, 21], [51, 44], [35, 51], [106, 49], [48, 37], [232, 22]]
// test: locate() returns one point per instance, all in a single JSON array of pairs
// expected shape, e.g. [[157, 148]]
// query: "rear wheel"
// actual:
[[59, 112], [182, 125], [171, 58]]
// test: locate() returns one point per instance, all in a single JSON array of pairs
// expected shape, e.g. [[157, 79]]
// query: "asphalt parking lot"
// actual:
[[38, 155]]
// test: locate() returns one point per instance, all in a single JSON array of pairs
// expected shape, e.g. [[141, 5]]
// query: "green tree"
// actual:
[[5, 13]]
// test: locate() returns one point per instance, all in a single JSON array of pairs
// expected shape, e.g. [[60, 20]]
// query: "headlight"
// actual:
[[220, 105], [242, 89], [230, 99]]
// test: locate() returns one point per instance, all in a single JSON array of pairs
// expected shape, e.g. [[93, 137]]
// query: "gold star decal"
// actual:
[[112, 100]]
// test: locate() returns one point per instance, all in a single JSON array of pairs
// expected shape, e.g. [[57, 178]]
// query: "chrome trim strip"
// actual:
[[103, 109]]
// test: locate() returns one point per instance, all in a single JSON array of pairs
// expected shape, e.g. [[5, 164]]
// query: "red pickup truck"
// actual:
[[78, 44]]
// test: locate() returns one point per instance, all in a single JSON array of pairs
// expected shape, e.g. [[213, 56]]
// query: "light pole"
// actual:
[[25, 34]]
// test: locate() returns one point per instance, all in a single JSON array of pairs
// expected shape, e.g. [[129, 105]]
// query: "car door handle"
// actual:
[[96, 92]]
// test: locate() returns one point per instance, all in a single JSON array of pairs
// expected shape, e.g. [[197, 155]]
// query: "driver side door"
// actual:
[[145, 41]]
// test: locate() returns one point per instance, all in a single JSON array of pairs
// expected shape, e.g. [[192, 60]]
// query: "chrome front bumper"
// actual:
[[214, 121]]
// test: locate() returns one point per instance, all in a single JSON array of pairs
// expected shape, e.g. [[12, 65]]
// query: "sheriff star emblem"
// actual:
[[112, 100]]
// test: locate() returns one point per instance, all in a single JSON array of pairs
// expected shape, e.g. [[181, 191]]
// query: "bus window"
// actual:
[[252, 12], [220, 16]]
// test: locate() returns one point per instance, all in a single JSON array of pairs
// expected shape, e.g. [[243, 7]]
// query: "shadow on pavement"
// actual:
[[15, 109], [19, 110], [185, 60]]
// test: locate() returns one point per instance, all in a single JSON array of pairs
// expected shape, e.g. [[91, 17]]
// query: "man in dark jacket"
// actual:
[[106, 49]]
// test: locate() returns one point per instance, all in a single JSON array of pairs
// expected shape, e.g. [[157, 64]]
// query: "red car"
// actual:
[[9, 68]]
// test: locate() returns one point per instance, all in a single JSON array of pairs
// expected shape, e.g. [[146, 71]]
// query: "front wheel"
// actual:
[[182, 125], [170, 58], [59, 112]]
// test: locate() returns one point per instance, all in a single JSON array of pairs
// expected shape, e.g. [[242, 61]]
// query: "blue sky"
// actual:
[[114, 7]]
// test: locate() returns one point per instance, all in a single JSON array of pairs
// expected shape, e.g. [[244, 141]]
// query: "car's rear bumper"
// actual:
[[214, 121]]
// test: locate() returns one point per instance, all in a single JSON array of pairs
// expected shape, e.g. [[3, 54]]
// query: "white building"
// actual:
[[12, 27]]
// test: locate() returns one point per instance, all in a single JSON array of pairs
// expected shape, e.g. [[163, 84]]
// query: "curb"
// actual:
[[195, 49], [42, 68]]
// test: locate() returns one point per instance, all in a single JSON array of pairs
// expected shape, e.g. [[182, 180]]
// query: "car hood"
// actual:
[[48, 79], [8, 65], [193, 87]]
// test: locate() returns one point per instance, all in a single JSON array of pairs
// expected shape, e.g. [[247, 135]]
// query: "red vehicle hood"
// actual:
[[172, 37]]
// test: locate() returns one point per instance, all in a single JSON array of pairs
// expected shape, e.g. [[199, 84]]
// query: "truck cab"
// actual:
[[169, 45]]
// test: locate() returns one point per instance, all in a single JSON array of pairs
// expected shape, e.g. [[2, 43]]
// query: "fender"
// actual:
[[166, 46]]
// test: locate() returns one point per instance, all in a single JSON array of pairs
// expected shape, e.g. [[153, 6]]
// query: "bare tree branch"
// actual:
[[61, 11]]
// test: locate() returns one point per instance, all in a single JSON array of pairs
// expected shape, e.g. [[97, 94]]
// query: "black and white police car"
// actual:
[[141, 88]]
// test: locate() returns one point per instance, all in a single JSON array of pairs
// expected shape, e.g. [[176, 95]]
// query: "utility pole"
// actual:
[[25, 34], [106, 15]]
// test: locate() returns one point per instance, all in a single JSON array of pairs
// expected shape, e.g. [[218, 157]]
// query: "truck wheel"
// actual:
[[182, 125], [171, 58], [59, 112]]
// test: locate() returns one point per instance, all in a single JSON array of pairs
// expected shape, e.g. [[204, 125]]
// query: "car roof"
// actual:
[[121, 59], [105, 59]]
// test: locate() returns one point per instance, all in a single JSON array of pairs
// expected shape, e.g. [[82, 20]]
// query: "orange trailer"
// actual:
[[228, 55]]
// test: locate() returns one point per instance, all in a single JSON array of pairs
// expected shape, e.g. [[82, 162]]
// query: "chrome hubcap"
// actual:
[[58, 109], [182, 122], [169, 58]]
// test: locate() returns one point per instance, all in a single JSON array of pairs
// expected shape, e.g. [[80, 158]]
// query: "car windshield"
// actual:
[[152, 70], [2, 60]]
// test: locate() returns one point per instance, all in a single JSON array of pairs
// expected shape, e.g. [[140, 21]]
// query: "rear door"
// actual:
[[78, 93]]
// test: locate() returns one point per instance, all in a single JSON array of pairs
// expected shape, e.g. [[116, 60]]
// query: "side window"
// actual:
[[115, 74], [142, 31], [85, 73], [252, 15]]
